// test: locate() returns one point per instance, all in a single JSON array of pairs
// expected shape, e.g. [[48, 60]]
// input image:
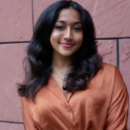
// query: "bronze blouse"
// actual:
[[102, 106]]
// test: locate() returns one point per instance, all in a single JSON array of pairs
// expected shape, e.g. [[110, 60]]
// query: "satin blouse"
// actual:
[[102, 106]]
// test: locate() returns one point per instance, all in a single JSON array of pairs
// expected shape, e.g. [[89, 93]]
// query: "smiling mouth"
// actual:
[[67, 45]]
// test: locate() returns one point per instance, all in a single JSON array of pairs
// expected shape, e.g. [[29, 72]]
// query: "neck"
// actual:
[[61, 64]]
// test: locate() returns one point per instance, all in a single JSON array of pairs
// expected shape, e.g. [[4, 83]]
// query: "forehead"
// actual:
[[69, 14]]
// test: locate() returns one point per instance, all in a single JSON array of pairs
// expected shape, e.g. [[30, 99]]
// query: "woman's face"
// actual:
[[67, 35]]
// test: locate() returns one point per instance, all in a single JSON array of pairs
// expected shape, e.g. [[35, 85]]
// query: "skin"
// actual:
[[66, 38]]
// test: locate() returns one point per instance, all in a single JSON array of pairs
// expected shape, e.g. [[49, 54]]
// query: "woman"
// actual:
[[67, 86]]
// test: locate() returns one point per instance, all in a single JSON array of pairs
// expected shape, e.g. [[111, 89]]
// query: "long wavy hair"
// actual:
[[86, 61]]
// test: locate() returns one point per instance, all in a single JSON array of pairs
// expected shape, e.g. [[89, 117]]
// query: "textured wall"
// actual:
[[17, 18]]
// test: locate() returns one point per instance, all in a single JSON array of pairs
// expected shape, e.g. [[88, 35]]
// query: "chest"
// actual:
[[83, 106], [82, 109]]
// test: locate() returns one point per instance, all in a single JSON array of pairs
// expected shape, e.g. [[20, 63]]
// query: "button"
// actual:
[[68, 108]]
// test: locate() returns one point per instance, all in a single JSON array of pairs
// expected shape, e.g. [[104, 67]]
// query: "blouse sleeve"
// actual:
[[118, 110], [27, 118]]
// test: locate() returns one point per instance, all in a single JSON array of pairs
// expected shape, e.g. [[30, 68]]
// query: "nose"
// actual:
[[68, 34]]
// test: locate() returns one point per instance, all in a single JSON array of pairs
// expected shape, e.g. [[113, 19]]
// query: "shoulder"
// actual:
[[111, 72], [106, 73], [108, 69], [107, 77], [26, 102], [111, 78]]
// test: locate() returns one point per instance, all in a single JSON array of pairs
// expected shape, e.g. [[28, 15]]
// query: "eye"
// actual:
[[77, 29], [59, 27]]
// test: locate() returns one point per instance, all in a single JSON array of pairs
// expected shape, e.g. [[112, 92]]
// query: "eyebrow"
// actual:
[[61, 21]]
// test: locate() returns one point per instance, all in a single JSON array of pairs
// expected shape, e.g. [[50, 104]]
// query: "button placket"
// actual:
[[68, 108]]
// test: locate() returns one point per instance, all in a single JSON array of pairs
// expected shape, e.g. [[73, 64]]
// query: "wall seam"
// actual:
[[11, 122], [32, 17], [15, 42], [12, 42], [113, 38], [118, 53]]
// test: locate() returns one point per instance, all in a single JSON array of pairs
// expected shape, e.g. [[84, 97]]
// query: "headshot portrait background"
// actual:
[[18, 17]]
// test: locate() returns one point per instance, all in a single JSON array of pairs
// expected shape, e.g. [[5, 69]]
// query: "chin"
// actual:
[[67, 54]]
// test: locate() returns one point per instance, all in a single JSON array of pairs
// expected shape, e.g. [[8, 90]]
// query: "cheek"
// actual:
[[79, 38], [54, 37]]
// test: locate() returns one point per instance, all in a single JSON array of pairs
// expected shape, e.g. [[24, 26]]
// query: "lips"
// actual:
[[67, 45]]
